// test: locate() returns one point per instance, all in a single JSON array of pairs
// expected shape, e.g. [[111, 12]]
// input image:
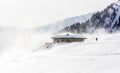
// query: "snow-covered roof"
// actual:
[[68, 36]]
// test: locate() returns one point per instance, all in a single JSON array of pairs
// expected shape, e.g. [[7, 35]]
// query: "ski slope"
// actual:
[[26, 53]]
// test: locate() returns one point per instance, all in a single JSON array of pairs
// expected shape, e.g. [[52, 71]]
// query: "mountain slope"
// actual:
[[90, 56], [108, 19], [55, 27]]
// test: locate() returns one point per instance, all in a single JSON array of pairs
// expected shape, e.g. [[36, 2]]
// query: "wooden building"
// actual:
[[68, 38]]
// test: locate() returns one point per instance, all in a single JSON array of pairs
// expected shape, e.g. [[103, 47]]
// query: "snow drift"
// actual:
[[26, 53]]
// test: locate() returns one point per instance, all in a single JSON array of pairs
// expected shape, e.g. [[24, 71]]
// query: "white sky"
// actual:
[[33, 13]]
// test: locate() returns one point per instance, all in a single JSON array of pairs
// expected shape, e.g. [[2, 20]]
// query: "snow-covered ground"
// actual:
[[24, 52]]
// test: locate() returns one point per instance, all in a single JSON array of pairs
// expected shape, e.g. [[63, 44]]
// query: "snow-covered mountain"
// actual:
[[108, 19], [63, 23]]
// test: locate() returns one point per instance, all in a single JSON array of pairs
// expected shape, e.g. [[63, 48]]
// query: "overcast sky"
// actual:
[[33, 13]]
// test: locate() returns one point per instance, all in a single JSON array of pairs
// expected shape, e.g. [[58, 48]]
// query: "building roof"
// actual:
[[67, 36]]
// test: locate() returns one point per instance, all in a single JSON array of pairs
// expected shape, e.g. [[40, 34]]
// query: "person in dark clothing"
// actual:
[[96, 39]]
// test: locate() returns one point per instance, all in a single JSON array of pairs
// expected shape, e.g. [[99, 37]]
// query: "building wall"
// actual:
[[58, 40]]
